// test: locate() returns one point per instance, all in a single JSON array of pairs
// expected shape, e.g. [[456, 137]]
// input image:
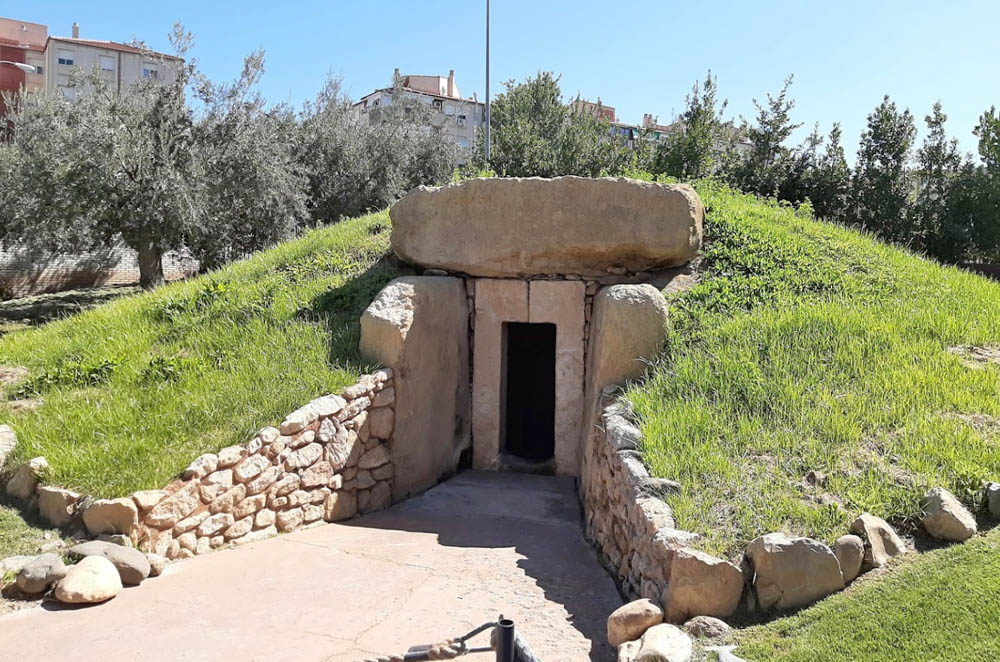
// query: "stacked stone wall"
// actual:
[[626, 518], [328, 461]]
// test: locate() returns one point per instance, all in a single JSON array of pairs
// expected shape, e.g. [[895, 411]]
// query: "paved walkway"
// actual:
[[432, 567]]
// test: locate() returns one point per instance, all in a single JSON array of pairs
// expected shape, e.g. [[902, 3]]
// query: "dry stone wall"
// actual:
[[328, 461], [626, 518]]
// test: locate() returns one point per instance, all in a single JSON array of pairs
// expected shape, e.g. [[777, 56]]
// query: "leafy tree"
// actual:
[[356, 163], [767, 164], [140, 168], [829, 181], [534, 133], [938, 162], [880, 187], [694, 150]]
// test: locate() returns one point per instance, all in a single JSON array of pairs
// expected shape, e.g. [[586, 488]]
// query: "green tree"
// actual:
[[694, 149], [880, 187], [534, 133], [938, 163], [140, 168], [829, 182], [766, 166]]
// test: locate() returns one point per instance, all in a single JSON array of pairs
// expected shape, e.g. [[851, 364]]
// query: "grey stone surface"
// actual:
[[509, 227], [40, 573], [418, 326]]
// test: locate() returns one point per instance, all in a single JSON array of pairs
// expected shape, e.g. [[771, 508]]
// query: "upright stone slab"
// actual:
[[528, 227], [418, 326]]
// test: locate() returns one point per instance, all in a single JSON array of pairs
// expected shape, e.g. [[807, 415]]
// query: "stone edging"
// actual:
[[328, 460]]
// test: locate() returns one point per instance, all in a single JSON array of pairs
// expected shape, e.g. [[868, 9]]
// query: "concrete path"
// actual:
[[427, 569]]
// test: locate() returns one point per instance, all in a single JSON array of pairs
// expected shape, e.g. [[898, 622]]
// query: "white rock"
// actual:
[[202, 466], [944, 517], [56, 504], [850, 552], [8, 442], [883, 542], [993, 500], [630, 621], [24, 481], [664, 643], [94, 579]]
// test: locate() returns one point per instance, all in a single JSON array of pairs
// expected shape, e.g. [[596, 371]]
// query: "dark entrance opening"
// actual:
[[530, 398]]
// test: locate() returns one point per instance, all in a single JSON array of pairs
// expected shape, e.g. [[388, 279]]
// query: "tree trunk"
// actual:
[[150, 264]]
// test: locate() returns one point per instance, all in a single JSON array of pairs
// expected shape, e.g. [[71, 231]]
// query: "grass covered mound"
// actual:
[[811, 347], [133, 390], [941, 605]]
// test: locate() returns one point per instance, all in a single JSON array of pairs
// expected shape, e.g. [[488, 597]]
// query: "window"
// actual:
[[107, 63], [460, 120], [65, 56], [438, 104], [68, 92], [150, 72]]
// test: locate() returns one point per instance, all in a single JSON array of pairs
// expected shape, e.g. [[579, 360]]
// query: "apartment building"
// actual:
[[460, 118], [53, 60]]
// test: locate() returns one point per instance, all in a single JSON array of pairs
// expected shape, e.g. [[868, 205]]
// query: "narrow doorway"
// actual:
[[530, 396]]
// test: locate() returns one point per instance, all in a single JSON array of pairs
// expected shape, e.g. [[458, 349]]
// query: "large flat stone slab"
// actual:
[[426, 569], [533, 226]]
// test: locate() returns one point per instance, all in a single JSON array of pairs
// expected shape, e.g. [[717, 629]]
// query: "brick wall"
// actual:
[[24, 272]]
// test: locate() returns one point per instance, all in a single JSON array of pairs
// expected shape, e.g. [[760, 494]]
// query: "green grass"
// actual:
[[939, 606], [134, 389], [21, 532], [808, 346]]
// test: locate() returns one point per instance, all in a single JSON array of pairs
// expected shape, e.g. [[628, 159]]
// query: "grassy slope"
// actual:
[[940, 606], [136, 388], [809, 346]]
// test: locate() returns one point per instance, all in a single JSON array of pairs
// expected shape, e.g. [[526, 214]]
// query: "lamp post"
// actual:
[[27, 68], [487, 145]]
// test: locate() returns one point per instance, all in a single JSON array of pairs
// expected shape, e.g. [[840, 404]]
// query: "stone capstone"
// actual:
[[664, 643], [700, 584], [40, 573], [631, 620], [503, 227], [94, 579], [883, 542], [850, 553], [944, 516], [792, 572], [418, 326]]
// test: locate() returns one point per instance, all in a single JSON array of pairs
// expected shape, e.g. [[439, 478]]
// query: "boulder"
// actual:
[[56, 504], [157, 564], [94, 579], [944, 516], [25, 480], [631, 620], [39, 574], [664, 643], [883, 542], [8, 442], [340, 506], [850, 552], [131, 564], [707, 627], [792, 572], [111, 516], [627, 326], [700, 584], [504, 227], [418, 326], [628, 651], [993, 500]]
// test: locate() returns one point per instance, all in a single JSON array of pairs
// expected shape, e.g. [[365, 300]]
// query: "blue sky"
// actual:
[[638, 56]]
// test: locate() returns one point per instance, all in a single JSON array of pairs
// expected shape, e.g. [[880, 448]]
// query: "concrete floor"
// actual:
[[427, 569]]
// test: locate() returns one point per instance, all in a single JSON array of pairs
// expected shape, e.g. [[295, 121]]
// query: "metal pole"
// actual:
[[487, 142], [505, 640]]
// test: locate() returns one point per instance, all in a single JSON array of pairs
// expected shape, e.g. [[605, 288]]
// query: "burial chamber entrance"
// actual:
[[529, 396]]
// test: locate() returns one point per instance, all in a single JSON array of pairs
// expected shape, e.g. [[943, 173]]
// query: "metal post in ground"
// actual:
[[505, 640]]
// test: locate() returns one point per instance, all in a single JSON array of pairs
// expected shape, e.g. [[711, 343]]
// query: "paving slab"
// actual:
[[427, 569]]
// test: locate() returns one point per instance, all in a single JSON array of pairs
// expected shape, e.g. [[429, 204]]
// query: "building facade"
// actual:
[[457, 117]]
